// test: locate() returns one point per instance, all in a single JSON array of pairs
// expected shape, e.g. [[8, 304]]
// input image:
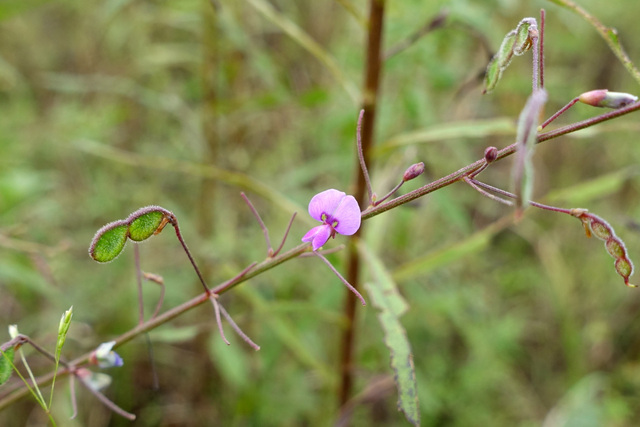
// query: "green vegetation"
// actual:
[[107, 106]]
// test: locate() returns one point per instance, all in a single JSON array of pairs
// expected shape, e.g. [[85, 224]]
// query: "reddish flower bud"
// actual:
[[605, 99], [490, 154], [413, 171]]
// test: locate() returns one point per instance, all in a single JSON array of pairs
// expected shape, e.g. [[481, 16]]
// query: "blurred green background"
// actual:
[[108, 106]]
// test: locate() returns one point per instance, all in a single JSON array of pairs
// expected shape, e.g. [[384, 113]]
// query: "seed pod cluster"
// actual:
[[109, 240], [596, 226], [516, 42]]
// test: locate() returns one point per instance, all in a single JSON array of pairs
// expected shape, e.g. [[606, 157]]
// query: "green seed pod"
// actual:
[[624, 267], [109, 241], [146, 222], [525, 32], [600, 228], [615, 247]]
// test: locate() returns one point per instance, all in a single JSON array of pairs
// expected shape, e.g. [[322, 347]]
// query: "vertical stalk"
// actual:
[[209, 66], [369, 104]]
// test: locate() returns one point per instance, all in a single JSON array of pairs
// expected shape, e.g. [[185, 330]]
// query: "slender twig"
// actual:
[[136, 257], [265, 231], [513, 196], [286, 234], [559, 112], [389, 194], [105, 401], [174, 222], [216, 308], [473, 183], [478, 164], [535, 73], [74, 400], [363, 163], [433, 24], [346, 283], [541, 51], [229, 283], [239, 331]]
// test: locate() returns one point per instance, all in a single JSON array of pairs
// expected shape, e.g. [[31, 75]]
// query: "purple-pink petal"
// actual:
[[325, 202], [318, 236], [348, 216]]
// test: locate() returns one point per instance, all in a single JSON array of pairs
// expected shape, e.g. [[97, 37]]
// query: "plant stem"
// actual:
[[369, 105]]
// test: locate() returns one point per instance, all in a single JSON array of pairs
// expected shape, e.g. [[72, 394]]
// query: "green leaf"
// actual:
[[6, 367], [109, 241], [145, 224], [385, 296], [526, 141]]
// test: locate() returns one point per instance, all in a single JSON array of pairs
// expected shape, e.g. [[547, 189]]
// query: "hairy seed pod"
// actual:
[[616, 248], [624, 267], [600, 228]]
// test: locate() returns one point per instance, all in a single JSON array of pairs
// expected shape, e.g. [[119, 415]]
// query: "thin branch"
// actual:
[[286, 234], [265, 231], [216, 308], [431, 25], [239, 331], [105, 401], [346, 283], [136, 257], [363, 163], [473, 183]]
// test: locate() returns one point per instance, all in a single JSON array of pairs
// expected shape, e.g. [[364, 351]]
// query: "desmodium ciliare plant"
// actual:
[[342, 214]]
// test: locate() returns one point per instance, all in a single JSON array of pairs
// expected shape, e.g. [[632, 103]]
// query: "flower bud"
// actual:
[[413, 171], [605, 99], [490, 154]]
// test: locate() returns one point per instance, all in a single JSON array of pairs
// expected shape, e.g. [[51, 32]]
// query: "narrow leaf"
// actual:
[[6, 367], [385, 296], [526, 140]]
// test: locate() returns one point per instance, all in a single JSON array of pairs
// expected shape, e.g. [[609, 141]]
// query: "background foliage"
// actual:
[[111, 105]]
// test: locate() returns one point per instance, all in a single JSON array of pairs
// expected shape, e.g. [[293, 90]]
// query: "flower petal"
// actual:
[[325, 202], [348, 216], [321, 237], [311, 233]]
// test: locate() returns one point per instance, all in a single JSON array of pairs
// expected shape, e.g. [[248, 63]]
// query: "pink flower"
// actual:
[[337, 212]]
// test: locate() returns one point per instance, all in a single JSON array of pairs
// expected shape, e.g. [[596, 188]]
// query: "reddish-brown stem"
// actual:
[[342, 279], [265, 231], [369, 105], [481, 186], [105, 401], [216, 309], [239, 331], [559, 112], [286, 234], [479, 164], [389, 194], [136, 258], [174, 222], [361, 158]]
